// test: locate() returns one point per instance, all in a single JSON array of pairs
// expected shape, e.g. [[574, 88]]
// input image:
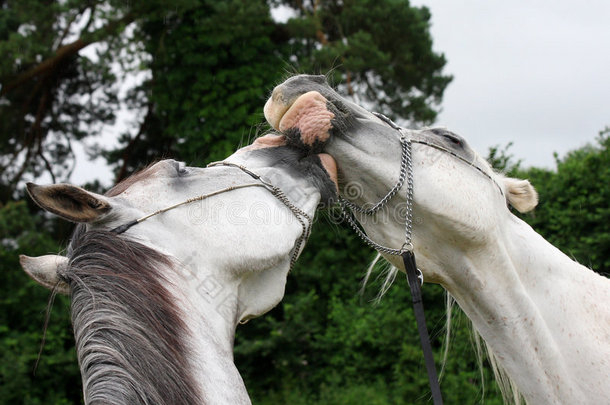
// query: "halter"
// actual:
[[414, 275], [406, 171], [304, 219]]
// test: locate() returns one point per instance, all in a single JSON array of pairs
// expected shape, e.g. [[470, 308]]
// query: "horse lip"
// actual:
[[275, 108], [330, 166]]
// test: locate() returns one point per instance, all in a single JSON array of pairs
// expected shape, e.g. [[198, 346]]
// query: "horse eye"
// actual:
[[453, 139], [181, 168]]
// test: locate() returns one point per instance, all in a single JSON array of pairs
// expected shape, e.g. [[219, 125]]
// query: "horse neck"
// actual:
[[140, 337], [543, 316], [209, 368], [210, 312]]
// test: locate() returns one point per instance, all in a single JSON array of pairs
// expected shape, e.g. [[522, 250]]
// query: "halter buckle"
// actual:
[[420, 276], [406, 247]]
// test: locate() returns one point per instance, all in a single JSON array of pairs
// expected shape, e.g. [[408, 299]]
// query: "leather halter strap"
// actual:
[[408, 259], [414, 275]]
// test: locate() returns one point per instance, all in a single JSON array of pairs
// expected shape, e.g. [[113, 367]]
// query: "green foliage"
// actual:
[[23, 306], [573, 213], [212, 65], [389, 65], [502, 160], [216, 95], [211, 72], [50, 97]]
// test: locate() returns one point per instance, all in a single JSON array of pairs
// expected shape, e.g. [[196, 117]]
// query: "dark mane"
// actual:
[[129, 181], [130, 337]]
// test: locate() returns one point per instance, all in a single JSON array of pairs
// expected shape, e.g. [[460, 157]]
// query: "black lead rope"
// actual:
[[408, 259]]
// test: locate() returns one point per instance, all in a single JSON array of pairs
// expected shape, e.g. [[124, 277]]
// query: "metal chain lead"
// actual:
[[280, 195], [406, 172], [348, 216], [299, 214], [409, 167], [404, 161]]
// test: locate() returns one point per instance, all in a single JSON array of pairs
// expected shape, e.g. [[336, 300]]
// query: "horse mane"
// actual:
[[508, 389], [129, 181], [131, 339]]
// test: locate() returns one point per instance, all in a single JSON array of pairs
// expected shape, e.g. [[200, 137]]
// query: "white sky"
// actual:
[[533, 72]]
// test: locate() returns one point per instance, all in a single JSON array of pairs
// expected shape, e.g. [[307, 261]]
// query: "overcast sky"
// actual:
[[532, 72]]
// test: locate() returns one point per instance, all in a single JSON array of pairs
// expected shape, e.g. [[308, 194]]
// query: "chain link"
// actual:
[[406, 173], [299, 214], [404, 161]]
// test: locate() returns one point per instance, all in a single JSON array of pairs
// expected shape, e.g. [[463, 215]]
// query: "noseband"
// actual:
[[304, 219]]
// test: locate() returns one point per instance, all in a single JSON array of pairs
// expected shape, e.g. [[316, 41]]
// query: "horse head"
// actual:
[[457, 196], [163, 267], [535, 307]]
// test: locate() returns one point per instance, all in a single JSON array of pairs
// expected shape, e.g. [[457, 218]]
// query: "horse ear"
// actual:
[[520, 194], [44, 270], [69, 202]]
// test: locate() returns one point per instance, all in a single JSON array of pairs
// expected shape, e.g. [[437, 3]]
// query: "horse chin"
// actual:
[[323, 173], [330, 165], [277, 150]]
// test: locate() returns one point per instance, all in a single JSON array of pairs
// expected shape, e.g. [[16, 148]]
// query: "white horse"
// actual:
[[544, 317], [155, 303]]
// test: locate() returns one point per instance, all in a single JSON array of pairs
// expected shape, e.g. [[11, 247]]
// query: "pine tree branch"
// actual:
[[129, 148], [66, 51]]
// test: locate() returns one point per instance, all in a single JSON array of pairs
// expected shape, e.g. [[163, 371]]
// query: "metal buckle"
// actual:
[[420, 276]]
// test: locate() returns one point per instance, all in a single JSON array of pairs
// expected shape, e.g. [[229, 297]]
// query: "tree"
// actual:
[[573, 213], [210, 78], [51, 95], [209, 82], [378, 51], [23, 305], [212, 65]]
